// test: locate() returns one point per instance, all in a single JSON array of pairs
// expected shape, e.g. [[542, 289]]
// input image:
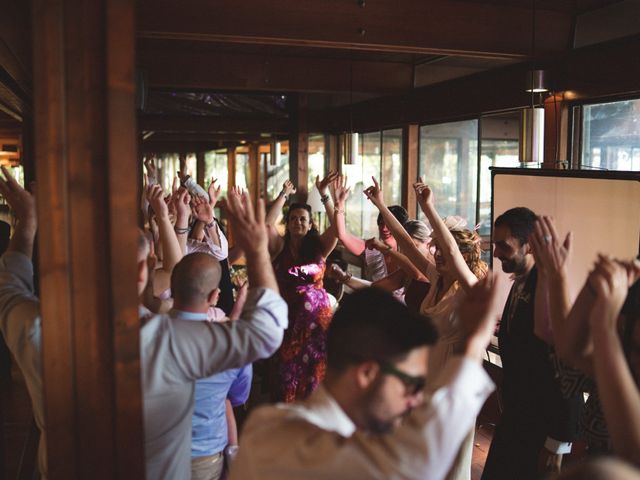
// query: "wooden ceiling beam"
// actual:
[[435, 27], [210, 137], [184, 146], [187, 69], [203, 124]]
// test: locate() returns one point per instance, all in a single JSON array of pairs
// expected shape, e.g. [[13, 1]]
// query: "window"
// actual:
[[611, 136], [279, 171], [168, 164], [499, 147], [448, 163], [216, 166], [242, 168], [317, 159], [379, 155]]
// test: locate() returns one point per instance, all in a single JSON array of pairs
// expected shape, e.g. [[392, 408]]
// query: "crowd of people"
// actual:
[[387, 384]]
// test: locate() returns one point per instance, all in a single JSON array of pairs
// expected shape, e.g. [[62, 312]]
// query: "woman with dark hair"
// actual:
[[299, 262]]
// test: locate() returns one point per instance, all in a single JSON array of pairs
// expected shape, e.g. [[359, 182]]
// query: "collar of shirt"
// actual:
[[180, 315], [322, 410]]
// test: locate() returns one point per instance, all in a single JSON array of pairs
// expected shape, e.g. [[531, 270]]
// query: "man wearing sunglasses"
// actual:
[[375, 416]]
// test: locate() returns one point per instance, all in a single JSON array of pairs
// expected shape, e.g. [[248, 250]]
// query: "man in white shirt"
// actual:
[[369, 418]]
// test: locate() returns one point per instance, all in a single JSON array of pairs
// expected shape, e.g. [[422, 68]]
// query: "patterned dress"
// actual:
[[299, 365]]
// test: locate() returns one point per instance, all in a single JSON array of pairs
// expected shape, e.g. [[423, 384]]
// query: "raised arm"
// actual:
[[340, 193], [182, 201], [448, 244], [276, 207], [552, 258], [399, 259], [329, 237], [374, 193], [171, 252], [23, 205], [618, 391]]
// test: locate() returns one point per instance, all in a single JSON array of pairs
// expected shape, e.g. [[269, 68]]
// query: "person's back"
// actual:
[[368, 418]]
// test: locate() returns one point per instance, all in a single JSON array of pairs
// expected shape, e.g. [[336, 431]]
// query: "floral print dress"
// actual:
[[300, 363]]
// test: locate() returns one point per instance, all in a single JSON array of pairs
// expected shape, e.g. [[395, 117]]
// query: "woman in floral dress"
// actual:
[[299, 262]]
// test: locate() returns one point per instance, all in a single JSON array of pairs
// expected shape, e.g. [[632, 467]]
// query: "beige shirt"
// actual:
[[315, 439]]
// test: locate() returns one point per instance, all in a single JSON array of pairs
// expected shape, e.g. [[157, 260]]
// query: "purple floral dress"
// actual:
[[300, 363]]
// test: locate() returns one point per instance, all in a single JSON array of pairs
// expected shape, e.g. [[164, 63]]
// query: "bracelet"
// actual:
[[324, 198], [387, 250], [337, 211], [212, 224], [283, 194], [181, 230]]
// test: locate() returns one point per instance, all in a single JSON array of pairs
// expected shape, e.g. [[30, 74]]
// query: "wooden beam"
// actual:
[[159, 137], [201, 124], [592, 72], [410, 159], [441, 27], [267, 72], [85, 146], [183, 146]]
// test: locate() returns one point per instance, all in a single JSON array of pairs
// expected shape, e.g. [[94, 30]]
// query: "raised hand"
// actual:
[[214, 193], [322, 185], [288, 188], [152, 170], [374, 193], [551, 256], [478, 314], [20, 200], [376, 244], [250, 230], [155, 197], [182, 201], [609, 280], [340, 191], [424, 194], [202, 210]]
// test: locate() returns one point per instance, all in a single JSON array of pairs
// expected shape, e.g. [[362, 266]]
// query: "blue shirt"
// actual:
[[209, 433]]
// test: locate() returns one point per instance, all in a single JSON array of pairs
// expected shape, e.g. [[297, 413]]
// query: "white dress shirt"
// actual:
[[315, 439]]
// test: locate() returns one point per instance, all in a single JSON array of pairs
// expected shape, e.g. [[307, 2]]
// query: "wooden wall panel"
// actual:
[[86, 164]]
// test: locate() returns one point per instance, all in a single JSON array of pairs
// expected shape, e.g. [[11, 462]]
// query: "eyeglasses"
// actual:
[[413, 384]]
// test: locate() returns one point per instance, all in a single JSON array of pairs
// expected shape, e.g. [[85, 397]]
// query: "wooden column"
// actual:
[[231, 165], [254, 174], [556, 137], [410, 143], [85, 159], [299, 147], [331, 142], [200, 169]]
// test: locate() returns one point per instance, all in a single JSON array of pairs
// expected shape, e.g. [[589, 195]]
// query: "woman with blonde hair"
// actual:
[[456, 267]]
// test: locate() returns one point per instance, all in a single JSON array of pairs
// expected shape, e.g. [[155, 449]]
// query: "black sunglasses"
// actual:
[[413, 384]]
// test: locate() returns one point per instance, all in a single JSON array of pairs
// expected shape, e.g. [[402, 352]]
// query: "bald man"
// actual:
[[175, 353]]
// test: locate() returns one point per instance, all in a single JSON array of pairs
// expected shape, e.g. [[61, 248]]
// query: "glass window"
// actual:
[[611, 136], [499, 147], [216, 166], [361, 214], [242, 168], [391, 175], [448, 164], [279, 171], [317, 159]]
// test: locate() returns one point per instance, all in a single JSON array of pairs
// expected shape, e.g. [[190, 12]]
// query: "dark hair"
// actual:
[[311, 246], [5, 234], [372, 325], [399, 212], [520, 221]]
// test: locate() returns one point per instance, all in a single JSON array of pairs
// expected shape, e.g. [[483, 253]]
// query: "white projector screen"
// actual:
[[602, 209]]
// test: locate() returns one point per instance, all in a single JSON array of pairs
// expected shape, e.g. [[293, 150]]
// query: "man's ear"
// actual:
[[366, 373], [212, 299]]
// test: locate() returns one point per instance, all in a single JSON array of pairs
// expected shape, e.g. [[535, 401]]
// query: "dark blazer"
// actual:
[[533, 405]]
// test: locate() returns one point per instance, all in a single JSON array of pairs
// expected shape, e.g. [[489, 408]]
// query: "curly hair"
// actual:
[[469, 244]]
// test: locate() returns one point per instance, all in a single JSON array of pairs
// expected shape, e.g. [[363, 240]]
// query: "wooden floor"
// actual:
[[481, 443]]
